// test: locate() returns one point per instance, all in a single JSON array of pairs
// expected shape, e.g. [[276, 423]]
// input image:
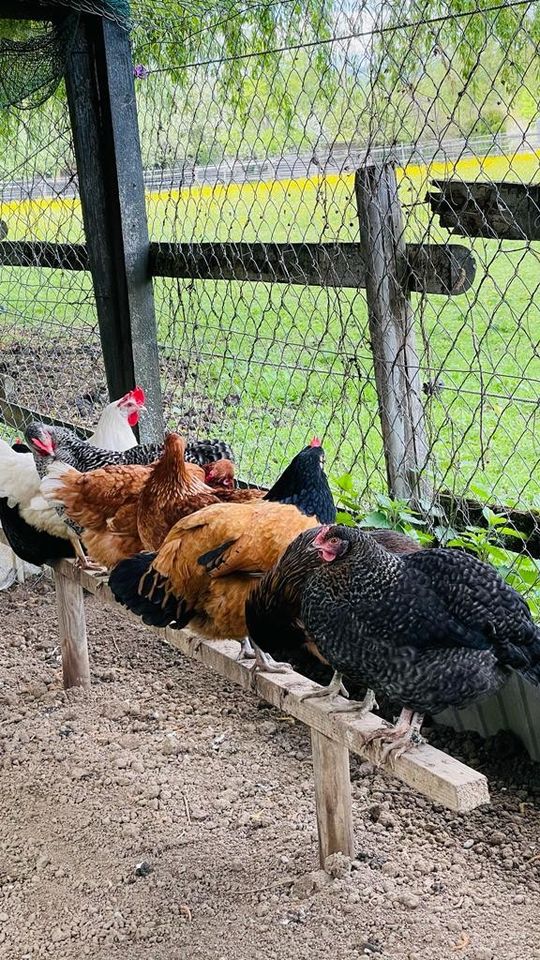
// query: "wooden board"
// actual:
[[503, 211], [427, 770], [392, 332], [332, 780], [430, 268], [72, 632]]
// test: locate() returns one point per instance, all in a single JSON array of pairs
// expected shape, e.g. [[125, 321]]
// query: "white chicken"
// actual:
[[20, 481]]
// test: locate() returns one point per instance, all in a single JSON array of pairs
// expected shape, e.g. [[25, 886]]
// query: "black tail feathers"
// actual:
[[213, 559], [140, 588]]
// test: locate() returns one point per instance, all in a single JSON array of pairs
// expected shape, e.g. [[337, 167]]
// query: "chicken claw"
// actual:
[[246, 650], [334, 688], [262, 662], [358, 707], [395, 741]]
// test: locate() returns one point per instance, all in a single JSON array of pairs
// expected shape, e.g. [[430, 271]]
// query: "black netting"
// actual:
[[31, 68]]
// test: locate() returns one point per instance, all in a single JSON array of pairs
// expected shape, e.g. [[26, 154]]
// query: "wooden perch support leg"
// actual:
[[390, 317], [332, 796], [72, 632]]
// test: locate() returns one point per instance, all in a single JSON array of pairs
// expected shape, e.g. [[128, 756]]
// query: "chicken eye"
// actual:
[[334, 540]]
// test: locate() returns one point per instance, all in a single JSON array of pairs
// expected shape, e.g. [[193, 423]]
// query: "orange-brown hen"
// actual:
[[174, 490], [210, 561], [104, 503]]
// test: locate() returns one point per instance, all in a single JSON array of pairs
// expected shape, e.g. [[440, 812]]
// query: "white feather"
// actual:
[[50, 490], [113, 432], [19, 479]]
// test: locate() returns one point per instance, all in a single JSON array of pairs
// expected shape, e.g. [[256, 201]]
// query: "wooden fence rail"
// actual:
[[428, 771], [447, 269]]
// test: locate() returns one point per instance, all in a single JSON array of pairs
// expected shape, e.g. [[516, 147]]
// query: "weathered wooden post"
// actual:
[[332, 781], [101, 98], [391, 330], [72, 632]]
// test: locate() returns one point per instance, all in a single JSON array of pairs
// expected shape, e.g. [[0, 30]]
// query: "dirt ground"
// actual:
[[168, 816]]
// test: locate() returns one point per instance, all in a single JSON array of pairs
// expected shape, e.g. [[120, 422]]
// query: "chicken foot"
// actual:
[[262, 661], [396, 740], [358, 707], [82, 562], [334, 688]]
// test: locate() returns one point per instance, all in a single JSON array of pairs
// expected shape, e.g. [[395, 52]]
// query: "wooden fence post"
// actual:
[[390, 317], [72, 632], [332, 779], [101, 97]]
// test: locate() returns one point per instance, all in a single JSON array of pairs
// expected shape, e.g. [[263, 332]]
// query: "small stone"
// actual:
[[152, 791], [337, 865], [42, 861], [170, 746], [137, 766], [408, 900], [496, 838], [80, 773], [519, 898], [143, 869], [310, 884], [390, 869], [387, 820], [467, 844], [269, 728]]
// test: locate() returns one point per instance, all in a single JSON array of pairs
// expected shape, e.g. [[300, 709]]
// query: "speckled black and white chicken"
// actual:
[[273, 610], [430, 630]]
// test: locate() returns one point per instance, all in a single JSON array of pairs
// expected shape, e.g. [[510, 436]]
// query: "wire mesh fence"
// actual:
[[253, 120]]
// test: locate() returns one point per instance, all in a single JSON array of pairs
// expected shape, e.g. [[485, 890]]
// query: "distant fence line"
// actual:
[[341, 159]]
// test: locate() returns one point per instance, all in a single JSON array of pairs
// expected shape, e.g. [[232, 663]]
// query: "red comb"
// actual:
[[18, 440], [138, 395], [315, 442]]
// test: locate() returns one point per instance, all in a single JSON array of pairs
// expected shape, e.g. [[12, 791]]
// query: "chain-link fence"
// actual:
[[253, 120]]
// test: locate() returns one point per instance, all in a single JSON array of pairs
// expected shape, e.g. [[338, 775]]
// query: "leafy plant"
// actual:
[[387, 513], [488, 543]]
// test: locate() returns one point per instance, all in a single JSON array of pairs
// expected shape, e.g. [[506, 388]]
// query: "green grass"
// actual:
[[274, 365]]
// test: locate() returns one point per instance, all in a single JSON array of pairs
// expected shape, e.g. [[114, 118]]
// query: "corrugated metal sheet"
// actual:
[[515, 708]]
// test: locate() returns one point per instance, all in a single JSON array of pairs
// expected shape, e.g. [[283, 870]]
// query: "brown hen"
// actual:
[[104, 503], [211, 561]]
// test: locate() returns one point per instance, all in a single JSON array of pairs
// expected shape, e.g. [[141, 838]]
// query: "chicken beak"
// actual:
[[45, 448]]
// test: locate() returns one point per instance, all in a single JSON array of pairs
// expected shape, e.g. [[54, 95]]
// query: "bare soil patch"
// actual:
[[166, 765]]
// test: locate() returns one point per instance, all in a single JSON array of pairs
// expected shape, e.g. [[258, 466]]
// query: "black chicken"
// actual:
[[273, 609], [30, 544], [58, 443], [430, 630]]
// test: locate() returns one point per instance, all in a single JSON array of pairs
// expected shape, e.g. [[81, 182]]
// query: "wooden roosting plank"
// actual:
[[427, 770]]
